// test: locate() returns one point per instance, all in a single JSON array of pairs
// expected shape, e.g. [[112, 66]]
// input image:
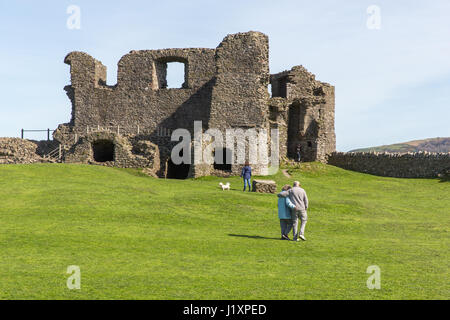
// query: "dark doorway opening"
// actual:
[[103, 150], [177, 171], [222, 159], [293, 129], [273, 112]]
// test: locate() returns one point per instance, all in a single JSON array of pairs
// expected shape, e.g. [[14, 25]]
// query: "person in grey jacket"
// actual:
[[298, 197]]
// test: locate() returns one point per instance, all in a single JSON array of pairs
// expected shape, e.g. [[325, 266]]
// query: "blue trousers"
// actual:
[[247, 182]]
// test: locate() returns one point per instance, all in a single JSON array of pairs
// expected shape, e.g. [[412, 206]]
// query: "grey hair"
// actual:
[[296, 183]]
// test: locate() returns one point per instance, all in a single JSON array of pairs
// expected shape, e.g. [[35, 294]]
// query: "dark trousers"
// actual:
[[286, 226]]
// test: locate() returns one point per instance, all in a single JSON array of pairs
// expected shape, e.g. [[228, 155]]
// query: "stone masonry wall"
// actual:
[[303, 110], [409, 165], [140, 96], [141, 154], [307, 116], [239, 96]]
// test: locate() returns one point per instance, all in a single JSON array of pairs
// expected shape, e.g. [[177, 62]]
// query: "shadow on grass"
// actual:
[[252, 237]]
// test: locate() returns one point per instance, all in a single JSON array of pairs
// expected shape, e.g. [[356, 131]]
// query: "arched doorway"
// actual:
[[103, 150], [177, 171]]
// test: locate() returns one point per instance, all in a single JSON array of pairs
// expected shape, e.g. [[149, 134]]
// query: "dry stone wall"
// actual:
[[409, 165]]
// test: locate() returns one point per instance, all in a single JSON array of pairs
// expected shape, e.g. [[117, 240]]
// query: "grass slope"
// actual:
[[136, 237]]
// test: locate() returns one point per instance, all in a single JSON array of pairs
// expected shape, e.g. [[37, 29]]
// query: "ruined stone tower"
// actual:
[[130, 124]]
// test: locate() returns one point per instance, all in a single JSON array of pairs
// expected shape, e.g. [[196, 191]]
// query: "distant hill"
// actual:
[[429, 145]]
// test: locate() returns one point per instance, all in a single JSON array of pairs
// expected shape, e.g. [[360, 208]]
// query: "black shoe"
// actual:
[[284, 237]]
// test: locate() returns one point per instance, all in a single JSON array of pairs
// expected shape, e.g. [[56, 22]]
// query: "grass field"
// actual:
[[136, 237]]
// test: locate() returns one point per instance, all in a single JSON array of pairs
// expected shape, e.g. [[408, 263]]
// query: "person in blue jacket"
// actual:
[[285, 205], [247, 174]]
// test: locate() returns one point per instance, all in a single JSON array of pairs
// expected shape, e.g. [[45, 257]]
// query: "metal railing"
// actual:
[[160, 131], [55, 153], [22, 132], [116, 129]]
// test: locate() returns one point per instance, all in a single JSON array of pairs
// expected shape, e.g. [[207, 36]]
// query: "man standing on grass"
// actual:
[[299, 154], [298, 196]]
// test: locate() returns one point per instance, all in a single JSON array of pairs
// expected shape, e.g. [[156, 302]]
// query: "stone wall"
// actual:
[[409, 165], [264, 186], [140, 97], [124, 152], [240, 96]]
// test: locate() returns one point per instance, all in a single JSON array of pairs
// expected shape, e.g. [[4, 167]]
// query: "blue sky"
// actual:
[[392, 84]]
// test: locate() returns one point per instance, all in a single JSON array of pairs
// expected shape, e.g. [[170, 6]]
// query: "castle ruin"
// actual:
[[130, 124]]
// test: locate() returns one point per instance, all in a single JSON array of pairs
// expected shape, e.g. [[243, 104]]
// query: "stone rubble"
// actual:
[[19, 151], [264, 186]]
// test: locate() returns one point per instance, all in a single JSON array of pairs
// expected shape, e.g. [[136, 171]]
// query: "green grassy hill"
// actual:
[[429, 145], [136, 237]]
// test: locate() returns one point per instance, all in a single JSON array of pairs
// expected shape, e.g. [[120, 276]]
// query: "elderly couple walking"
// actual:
[[292, 206]]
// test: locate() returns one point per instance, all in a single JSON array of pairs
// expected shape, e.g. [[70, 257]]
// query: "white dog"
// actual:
[[225, 186]]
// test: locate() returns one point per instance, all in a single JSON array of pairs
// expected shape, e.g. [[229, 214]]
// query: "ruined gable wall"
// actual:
[[139, 98]]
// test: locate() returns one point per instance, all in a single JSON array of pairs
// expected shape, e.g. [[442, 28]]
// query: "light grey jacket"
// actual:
[[298, 196]]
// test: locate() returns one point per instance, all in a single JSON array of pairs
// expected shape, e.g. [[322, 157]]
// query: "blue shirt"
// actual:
[[284, 206]]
